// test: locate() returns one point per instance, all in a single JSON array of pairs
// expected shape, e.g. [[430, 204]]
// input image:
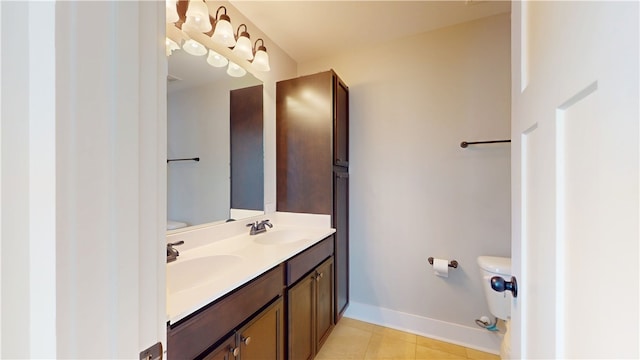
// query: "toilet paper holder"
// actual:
[[452, 263]]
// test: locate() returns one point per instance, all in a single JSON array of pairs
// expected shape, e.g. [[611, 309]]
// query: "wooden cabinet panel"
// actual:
[[226, 351], [307, 260], [304, 131], [310, 312], [263, 337], [247, 154], [324, 302], [341, 223], [341, 124], [300, 325]]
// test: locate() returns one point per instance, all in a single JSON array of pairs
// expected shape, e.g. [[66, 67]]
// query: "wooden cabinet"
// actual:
[[260, 339], [312, 159], [323, 302], [310, 313], [310, 307], [226, 351], [263, 337], [290, 307]]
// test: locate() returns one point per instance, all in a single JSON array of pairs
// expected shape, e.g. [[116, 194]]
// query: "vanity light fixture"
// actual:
[[222, 29], [236, 70], [170, 45], [261, 59], [243, 44], [171, 12], [198, 16], [216, 60], [194, 48]]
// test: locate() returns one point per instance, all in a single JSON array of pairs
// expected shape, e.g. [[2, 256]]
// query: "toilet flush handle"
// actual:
[[500, 285]]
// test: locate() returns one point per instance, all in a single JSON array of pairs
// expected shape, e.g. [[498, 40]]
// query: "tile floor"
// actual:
[[353, 339]]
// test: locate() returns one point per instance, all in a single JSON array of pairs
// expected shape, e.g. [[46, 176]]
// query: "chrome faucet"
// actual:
[[172, 254], [259, 227]]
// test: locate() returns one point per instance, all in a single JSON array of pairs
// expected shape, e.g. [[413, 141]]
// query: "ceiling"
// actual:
[[308, 30]]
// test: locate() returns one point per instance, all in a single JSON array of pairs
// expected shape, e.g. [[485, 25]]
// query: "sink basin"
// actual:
[[279, 237], [190, 273]]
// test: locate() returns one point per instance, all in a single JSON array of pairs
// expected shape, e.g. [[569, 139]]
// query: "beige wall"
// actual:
[[414, 192]]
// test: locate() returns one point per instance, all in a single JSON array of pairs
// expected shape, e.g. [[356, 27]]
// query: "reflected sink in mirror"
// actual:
[[190, 273], [279, 237]]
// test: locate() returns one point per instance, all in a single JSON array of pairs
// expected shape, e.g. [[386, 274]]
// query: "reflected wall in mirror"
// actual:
[[199, 125]]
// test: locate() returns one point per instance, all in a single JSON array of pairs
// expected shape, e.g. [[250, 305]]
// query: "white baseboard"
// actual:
[[478, 339]]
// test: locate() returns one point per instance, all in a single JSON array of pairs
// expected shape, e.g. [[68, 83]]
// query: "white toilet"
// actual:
[[174, 225], [499, 302]]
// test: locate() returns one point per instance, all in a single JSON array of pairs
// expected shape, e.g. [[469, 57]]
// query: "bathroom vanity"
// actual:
[[251, 296]]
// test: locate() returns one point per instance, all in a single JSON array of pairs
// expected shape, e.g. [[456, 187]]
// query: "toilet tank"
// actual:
[[174, 225], [490, 266]]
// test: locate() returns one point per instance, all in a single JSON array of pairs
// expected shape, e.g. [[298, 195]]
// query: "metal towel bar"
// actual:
[[464, 144]]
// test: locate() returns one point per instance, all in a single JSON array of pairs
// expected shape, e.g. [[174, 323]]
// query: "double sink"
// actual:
[[204, 273]]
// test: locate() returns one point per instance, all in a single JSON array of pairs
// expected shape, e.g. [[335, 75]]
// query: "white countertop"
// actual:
[[207, 270]]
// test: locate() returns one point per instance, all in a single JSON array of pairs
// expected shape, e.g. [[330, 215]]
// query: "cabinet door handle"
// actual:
[[246, 340], [319, 275], [234, 351]]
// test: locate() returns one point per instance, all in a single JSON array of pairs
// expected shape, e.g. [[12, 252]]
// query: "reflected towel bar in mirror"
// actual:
[[189, 159]]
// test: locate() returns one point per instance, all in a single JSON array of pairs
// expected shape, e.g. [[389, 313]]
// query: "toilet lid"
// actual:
[[495, 264], [172, 225]]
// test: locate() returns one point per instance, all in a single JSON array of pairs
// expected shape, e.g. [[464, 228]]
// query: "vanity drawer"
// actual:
[[304, 262], [189, 338]]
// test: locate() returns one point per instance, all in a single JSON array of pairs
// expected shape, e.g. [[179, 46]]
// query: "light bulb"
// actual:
[[236, 70], [243, 47], [170, 46], [216, 60], [171, 12], [261, 61], [223, 32], [194, 48], [198, 16]]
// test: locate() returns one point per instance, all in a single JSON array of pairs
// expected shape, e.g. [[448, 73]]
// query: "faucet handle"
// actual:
[[267, 223], [176, 243]]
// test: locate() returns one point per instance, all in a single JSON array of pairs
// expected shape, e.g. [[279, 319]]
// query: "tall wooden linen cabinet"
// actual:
[[312, 146]]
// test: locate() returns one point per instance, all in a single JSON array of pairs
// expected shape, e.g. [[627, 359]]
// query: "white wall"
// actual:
[[198, 126], [27, 188], [414, 192], [83, 185]]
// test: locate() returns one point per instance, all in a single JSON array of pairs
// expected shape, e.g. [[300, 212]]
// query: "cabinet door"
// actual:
[[304, 142], [300, 304], [247, 158], [341, 123], [262, 338], [341, 247], [226, 351], [324, 301]]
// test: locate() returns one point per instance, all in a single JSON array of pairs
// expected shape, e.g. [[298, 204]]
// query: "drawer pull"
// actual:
[[246, 340], [234, 351]]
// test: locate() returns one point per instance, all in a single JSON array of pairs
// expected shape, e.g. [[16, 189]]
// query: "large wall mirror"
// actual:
[[217, 119]]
